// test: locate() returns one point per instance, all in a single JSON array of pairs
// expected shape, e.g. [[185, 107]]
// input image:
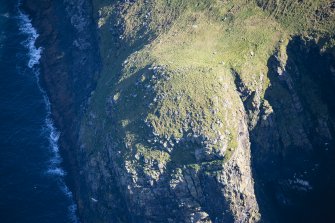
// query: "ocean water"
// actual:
[[32, 187]]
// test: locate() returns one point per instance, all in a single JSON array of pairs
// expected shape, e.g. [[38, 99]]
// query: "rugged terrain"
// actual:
[[194, 110]]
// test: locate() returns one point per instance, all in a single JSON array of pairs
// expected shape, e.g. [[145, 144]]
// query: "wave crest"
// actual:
[[27, 28], [34, 54]]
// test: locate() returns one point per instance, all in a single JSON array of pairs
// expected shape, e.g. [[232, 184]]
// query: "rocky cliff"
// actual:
[[201, 111], [69, 66]]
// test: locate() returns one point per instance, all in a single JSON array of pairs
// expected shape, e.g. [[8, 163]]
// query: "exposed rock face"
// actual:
[[154, 192], [68, 70], [292, 144], [126, 167]]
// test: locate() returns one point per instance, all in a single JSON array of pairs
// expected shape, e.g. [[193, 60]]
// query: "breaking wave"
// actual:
[[34, 55]]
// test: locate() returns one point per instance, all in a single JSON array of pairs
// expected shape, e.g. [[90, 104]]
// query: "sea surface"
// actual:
[[32, 187]]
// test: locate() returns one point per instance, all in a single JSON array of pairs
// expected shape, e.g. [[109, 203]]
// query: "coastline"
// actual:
[[54, 168], [64, 76], [67, 75]]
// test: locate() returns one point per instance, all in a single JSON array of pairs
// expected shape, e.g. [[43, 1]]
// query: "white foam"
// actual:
[[301, 184], [27, 28], [56, 171], [34, 53], [304, 183], [72, 213], [6, 15]]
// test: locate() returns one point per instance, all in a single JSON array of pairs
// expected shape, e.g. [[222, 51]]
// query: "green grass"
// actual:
[[308, 17], [196, 43]]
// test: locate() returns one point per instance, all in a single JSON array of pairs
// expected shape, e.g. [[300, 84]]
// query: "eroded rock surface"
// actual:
[[192, 112]]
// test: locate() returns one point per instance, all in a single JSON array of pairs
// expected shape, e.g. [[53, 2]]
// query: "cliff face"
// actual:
[[69, 66], [293, 142], [204, 111]]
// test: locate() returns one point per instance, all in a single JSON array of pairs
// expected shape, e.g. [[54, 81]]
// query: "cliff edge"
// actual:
[[194, 111]]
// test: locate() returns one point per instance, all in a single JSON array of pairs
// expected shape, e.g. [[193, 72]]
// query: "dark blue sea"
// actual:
[[32, 187]]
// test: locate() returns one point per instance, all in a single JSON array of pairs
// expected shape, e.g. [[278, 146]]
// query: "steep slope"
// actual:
[[173, 123], [207, 111], [69, 63], [182, 85]]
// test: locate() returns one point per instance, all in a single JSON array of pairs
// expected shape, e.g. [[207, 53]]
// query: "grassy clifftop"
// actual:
[[168, 70], [182, 84], [314, 17]]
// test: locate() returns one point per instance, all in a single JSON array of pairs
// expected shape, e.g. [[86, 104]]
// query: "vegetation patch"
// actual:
[[167, 71]]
